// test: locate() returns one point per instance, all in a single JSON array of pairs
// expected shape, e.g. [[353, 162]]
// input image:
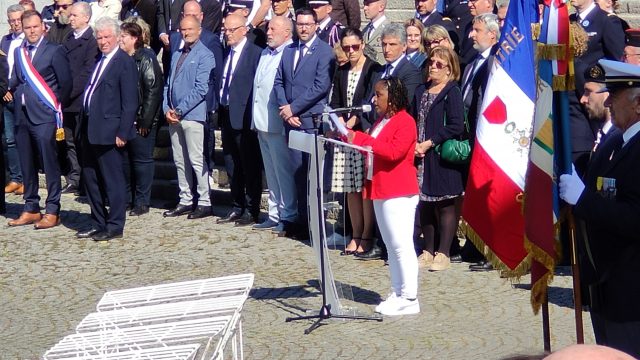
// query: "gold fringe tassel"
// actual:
[[552, 51], [515, 274]]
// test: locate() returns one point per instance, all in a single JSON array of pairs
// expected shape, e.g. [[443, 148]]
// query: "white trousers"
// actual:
[[395, 219], [187, 144]]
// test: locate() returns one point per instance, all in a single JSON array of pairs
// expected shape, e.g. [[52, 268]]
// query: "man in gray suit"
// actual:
[[374, 12], [186, 112]]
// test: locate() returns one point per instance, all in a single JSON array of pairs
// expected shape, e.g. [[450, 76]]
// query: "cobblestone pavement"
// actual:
[[50, 280]]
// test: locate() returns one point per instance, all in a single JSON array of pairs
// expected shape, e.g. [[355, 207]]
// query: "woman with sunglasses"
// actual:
[[391, 184], [440, 114], [350, 83], [437, 35], [415, 49]]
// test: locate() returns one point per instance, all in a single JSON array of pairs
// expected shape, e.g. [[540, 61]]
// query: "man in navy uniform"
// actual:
[[327, 30], [609, 203], [606, 41]]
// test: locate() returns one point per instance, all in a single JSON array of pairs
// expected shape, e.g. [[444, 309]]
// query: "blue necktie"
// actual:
[[224, 99]]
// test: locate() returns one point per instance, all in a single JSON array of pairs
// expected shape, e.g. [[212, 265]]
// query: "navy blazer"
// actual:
[[212, 42], [83, 54], [50, 60], [408, 73], [112, 111], [241, 86], [445, 120], [306, 89], [5, 42]]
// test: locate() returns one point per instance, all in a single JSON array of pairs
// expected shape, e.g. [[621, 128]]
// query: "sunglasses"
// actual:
[[438, 65], [63, 7], [347, 48], [435, 42]]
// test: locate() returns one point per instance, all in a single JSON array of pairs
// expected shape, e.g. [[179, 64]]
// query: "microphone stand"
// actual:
[[325, 310]]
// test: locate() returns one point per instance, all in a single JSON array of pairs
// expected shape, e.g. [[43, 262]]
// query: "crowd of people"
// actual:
[[87, 74]]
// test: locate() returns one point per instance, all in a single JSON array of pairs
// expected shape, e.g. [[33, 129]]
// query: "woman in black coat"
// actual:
[[140, 165], [350, 84], [439, 112]]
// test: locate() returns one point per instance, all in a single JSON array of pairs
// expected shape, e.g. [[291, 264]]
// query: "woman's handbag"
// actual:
[[455, 151]]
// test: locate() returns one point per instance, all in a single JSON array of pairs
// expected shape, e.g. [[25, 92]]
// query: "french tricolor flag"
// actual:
[[492, 208]]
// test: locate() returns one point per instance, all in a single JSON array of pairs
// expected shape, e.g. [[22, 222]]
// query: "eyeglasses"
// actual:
[[305, 25], [63, 7], [437, 64], [435, 42], [230, 30], [348, 48]]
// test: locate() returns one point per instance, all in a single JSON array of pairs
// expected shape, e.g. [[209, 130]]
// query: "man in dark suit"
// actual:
[[110, 104], [609, 203], [466, 50], [327, 30], [36, 119], [255, 35], [82, 50], [606, 41], [302, 86], [239, 142], [212, 42], [9, 43], [394, 46]]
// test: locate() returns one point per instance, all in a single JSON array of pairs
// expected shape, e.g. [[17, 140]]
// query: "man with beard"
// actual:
[[59, 29]]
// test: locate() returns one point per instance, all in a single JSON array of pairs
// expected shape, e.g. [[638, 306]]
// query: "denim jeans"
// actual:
[[13, 160]]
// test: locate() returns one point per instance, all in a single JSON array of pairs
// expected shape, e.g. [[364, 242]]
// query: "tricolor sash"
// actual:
[[40, 87]]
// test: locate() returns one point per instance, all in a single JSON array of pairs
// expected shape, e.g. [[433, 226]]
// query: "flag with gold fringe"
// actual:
[[550, 148], [492, 208]]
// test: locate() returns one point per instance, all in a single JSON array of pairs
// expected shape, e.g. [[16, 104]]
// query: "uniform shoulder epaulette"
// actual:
[[444, 18], [612, 14], [2, 53]]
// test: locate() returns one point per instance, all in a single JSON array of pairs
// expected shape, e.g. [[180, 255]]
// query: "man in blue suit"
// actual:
[[110, 104], [212, 41], [239, 142], [186, 112], [302, 86], [36, 121]]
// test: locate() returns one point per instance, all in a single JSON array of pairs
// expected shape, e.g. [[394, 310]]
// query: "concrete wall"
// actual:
[[4, 4]]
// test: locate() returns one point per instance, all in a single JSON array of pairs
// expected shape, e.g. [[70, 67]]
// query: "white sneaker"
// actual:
[[401, 306], [390, 298]]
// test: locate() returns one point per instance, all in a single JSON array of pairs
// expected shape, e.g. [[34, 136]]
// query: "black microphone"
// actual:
[[362, 108]]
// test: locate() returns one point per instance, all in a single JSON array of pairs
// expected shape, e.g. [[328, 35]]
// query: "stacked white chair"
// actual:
[[162, 322]]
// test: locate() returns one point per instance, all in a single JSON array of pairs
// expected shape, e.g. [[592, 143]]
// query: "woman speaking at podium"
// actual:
[[392, 184]]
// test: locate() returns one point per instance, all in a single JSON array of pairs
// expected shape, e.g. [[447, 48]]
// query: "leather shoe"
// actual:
[[19, 190], [106, 236], [69, 189], [247, 219], [268, 224], [26, 218], [375, 253], [457, 258], [232, 217], [200, 212], [481, 266], [178, 210], [48, 221], [87, 233], [11, 187], [139, 210]]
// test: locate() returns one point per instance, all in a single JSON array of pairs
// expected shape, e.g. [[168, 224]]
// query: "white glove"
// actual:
[[571, 187]]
